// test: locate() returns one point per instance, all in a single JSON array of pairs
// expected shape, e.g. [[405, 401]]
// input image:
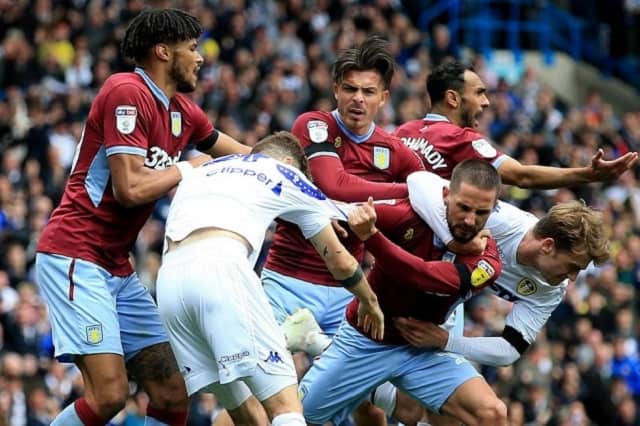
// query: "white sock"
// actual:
[[384, 396], [289, 419]]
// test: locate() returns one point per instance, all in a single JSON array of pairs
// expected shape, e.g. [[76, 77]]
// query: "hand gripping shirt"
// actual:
[[533, 298]]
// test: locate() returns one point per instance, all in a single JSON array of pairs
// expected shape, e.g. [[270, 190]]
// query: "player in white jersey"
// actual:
[[538, 256], [220, 324]]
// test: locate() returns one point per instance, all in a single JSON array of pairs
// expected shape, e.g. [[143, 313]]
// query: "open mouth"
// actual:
[[356, 112]]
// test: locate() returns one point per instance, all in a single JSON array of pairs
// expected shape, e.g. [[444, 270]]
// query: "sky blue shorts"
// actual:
[[94, 312], [286, 294], [347, 372]]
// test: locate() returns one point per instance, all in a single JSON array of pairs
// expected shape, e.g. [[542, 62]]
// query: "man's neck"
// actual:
[[161, 79], [451, 116], [527, 250]]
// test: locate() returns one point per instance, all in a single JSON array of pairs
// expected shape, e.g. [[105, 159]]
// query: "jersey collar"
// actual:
[[349, 133], [435, 117], [157, 92]]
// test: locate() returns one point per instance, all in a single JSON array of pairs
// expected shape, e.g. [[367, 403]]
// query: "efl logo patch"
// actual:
[[482, 273], [318, 131], [126, 119], [176, 123], [381, 157], [526, 287], [484, 148], [94, 334]]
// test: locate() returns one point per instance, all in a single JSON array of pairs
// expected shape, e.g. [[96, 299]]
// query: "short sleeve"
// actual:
[[127, 119]]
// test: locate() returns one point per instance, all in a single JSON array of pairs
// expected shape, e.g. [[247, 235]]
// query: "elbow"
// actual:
[[127, 197], [343, 266]]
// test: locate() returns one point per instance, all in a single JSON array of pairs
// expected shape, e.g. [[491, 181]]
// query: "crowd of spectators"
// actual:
[[265, 62]]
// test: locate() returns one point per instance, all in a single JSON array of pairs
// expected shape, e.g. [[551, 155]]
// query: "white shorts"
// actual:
[[220, 324]]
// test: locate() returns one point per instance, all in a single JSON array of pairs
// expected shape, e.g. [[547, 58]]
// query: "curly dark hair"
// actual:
[[153, 26]]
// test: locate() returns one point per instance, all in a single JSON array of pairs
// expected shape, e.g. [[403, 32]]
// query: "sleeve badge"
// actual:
[[484, 148], [126, 119], [482, 273], [318, 131]]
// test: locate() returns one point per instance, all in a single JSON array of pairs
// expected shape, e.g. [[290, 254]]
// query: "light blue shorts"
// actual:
[[94, 312], [354, 365], [286, 294]]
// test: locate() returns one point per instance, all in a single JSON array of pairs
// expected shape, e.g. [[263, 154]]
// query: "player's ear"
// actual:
[[445, 193], [288, 160], [452, 98], [162, 52], [385, 96], [548, 245]]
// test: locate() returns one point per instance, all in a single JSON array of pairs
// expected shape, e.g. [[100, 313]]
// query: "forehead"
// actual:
[[472, 81], [186, 43], [368, 78], [474, 197], [580, 260]]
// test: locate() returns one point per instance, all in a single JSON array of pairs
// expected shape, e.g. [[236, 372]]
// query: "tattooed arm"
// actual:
[[346, 270]]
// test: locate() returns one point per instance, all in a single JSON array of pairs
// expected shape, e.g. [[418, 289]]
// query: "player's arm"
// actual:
[[496, 351], [134, 184], [415, 272], [346, 270], [219, 144], [329, 173], [531, 176], [523, 323]]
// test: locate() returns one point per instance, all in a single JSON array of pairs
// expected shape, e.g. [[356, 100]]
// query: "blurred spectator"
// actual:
[[265, 63]]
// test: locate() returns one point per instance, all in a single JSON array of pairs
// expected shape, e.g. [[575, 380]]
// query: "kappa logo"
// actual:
[[274, 357], [337, 142], [526, 287], [94, 334]]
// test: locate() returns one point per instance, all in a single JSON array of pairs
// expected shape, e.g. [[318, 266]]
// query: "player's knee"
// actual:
[[492, 412], [111, 397], [408, 411], [368, 414], [170, 394]]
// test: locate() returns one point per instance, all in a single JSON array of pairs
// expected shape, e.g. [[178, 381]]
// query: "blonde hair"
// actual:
[[576, 229]]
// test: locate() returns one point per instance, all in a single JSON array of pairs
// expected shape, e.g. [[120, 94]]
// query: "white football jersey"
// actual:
[[244, 194], [533, 298]]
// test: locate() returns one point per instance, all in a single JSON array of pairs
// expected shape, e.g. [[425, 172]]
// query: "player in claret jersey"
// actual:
[[424, 282], [103, 318], [350, 159], [447, 136]]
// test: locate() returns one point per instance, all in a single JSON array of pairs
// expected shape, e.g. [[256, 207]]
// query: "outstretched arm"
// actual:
[[515, 173]]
